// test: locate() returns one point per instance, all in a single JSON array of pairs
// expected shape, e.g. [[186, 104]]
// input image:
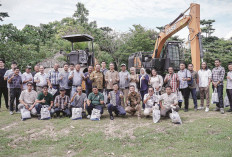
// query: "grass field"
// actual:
[[201, 134]]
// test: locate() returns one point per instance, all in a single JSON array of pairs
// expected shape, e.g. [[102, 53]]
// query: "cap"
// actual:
[[123, 64], [28, 67], [29, 83], [62, 89]]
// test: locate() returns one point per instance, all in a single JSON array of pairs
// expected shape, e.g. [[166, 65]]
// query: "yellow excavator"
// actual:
[[168, 53]]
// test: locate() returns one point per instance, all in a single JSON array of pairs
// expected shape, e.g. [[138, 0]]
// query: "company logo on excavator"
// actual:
[[169, 30]]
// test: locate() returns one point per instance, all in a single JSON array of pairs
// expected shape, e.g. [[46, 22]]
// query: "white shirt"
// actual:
[[77, 78], [204, 76], [153, 99], [26, 77], [229, 81], [156, 81], [42, 77]]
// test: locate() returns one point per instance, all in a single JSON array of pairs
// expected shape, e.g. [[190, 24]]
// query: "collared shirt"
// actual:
[[183, 74], [115, 99], [42, 78], [132, 97], [16, 82], [26, 77], [64, 81], [8, 72], [204, 76], [61, 101], [123, 82], [229, 81], [53, 76], [3, 83], [48, 98], [111, 77], [96, 98], [104, 71], [156, 81], [77, 78], [168, 100], [28, 97], [88, 82], [97, 79], [173, 81], [218, 74], [79, 100], [150, 102], [195, 77]]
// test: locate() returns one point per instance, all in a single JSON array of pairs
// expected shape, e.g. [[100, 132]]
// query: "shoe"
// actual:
[[111, 117], [230, 110], [206, 109], [11, 113], [217, 109], [222, 110], [185, 110], [39, 117], [200, 108], [88, 116]]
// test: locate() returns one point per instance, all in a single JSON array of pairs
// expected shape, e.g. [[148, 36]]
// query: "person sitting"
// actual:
[[62, 103], [79, 100], [27, 99], [169, 100], [150, 99], [95, 100], [116, 97], [133, 102], [44, 99]]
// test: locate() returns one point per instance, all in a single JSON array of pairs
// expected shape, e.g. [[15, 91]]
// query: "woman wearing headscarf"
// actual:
[[134, 79], [143, 83], [156, 81]]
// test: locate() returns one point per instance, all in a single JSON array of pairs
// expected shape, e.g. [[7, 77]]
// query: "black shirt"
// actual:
[[3, 83]]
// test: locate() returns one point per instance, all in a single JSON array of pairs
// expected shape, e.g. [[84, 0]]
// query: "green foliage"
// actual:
[[3, 14]]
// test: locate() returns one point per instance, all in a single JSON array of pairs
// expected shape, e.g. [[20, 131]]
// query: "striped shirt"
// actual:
[[173, 82], [54, 77], [61, 101], [218, 74], [184, 74]]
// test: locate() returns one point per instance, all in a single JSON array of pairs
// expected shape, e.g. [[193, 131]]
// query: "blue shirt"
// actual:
[[16, 82], [54, 77]]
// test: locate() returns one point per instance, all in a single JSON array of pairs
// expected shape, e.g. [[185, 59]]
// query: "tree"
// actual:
[[3, 14], [81, 13], [208, 27]]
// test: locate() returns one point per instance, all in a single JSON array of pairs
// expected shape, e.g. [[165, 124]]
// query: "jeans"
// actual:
[[91, 107], [118, 110], [142, 95], [88, 91], [74, 89], [14, 94], [38, 109], [194, 95], [65, 112], [185, 92], [220, 96], [229, 94], [4, 91]]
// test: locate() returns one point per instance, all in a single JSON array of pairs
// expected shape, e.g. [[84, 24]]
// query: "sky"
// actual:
[[119, 14]]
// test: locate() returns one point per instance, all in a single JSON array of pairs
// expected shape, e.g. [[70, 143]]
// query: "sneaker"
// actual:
[[217, 109], [88, 116], [11, 113], [230, 110], [200, 108], [111, 117], [206, 109], [222, 110]]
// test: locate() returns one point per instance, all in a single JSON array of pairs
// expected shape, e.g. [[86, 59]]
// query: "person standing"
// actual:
[[171, 79], [134, 79], [27, 77], [77, 77], [218, 74], [156, 81], [205, 75], [111, 78], [15, 82], [3, 84], [36, 70], [193, 86], [103, 68], [143, 80], [41, 79], [53, 79], [63, 80], [97, 78], [229, 86], [88, 82], [124, 77], [184, 76]]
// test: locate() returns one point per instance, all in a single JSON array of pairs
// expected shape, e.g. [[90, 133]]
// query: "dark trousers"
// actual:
[[118, 110], [185, 93], [4, 91], [142, 95], [68, 92], [91, 107], [38, 109], [108, 91], [65, 112], [229, 94], [14, 94], [220, 96], [88, 91], [194, 95]]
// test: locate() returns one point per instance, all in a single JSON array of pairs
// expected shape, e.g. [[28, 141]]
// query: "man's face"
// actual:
[[150, 91], [65, 67], [103, 64], [45, 89], [168, 90], [217, 63], [95, 90], [29, 86], [56, 66], [182, 66], [98, 68], [36, 68], [90, 69], [1, 63], [203, 65], [13, 66], [132, 89], [16, 71], [79, 89], [78, 67], [190, 67], [41, 69], [115, 87], [170, 70], [28, 70], [71, 67], [111, 67], [230, 67], [123, 68]]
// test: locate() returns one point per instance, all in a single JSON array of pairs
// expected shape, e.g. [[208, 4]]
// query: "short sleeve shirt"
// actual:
[[28, 97], [95, 99], [79, 100], [168, 100], [153, 99], [184, 74], [48, 98], [16, 82], [195, 77]]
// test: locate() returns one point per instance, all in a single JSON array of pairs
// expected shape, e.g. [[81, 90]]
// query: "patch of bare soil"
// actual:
[[10, 126]]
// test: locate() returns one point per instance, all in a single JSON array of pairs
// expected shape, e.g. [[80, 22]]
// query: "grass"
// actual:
[[201, 134]]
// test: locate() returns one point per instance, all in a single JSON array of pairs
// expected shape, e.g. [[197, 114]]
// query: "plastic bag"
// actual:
[[226, 101], [175, 117], [156, 114], [95, 114], [52, 91], [45, 113], [25, 114], [215, 98], [76, 113]]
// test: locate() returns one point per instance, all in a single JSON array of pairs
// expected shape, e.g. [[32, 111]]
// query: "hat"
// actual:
[[28, 67], [62, 89], [29, 83], [123, 64]]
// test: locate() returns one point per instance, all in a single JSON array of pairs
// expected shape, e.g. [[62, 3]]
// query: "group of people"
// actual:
[[121, 92]]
